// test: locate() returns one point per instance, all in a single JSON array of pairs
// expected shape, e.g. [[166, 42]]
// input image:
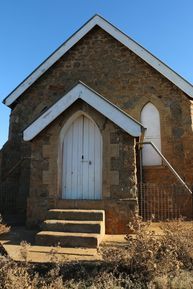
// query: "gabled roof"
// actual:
[[117, 34], [101, 104]]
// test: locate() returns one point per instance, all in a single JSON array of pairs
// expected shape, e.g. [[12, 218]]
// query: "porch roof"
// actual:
[[95, 100]]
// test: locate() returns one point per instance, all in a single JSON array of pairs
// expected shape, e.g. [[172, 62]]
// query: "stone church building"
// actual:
[[78, 124]]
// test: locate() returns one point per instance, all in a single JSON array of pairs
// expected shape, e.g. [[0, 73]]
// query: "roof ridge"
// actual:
[[131, 44]]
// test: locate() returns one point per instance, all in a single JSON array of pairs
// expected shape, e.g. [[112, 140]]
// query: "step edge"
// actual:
[[77, 210], [64, 234], [84, 222]]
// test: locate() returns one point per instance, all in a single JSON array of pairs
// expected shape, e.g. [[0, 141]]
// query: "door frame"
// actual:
[[63, 131]]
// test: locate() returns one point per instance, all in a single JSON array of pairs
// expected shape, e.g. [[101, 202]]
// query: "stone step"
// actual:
[[95, 227], [76, 215], [63, 239]]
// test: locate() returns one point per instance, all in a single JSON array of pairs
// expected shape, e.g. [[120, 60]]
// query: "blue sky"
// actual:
[[31, 30]]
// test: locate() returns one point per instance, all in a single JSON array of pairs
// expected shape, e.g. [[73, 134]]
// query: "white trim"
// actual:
[[81, 91], [117, 34]]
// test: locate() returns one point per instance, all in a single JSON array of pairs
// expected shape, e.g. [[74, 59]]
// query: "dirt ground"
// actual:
[[12, 244]]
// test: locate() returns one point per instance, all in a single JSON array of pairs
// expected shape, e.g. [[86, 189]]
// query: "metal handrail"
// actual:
[[168, 164]]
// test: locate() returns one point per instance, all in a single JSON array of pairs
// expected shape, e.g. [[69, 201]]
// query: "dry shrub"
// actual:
[[24, 250], [147, 261], [183, 280], [3, 228], [23, 276], [179, 235], [14, 276], [107, 280], [148, 257], [56, 257]]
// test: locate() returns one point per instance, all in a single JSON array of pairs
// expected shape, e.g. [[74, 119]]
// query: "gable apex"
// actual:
[[95, 100], [136, 48]]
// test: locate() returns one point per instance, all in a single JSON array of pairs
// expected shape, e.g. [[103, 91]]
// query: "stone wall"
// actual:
[[122, 77], [118, 167], [14, 185]]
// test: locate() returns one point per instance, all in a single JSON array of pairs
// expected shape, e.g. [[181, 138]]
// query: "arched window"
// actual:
[[150, 119]]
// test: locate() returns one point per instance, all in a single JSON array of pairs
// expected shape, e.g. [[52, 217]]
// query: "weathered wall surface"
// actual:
[[14, 179], [122, 77]]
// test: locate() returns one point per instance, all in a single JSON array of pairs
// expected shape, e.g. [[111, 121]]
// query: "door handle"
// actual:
[[84, 161]]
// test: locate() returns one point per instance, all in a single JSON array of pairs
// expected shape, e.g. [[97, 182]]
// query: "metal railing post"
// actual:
[[168, 164]]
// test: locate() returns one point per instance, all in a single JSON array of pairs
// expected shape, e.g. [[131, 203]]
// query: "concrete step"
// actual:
[[72, 228], [76, 215], [94, 227], [82, 240]]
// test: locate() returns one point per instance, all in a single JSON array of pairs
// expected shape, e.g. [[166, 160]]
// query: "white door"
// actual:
[[82, 160]]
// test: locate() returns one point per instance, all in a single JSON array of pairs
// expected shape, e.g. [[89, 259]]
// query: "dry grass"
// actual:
[[158, 262], [147, 261]]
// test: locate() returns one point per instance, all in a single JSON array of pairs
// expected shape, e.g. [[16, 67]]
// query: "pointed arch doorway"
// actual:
[[82, 160]]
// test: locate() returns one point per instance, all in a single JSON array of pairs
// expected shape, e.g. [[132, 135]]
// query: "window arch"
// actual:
[[150, 119]]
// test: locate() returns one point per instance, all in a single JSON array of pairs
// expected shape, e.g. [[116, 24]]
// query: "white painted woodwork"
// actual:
[[82, 160], [150, 118], [98, 102], [117, 34]]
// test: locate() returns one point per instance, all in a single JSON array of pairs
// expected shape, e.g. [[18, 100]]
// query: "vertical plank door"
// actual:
[[82, 160]]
